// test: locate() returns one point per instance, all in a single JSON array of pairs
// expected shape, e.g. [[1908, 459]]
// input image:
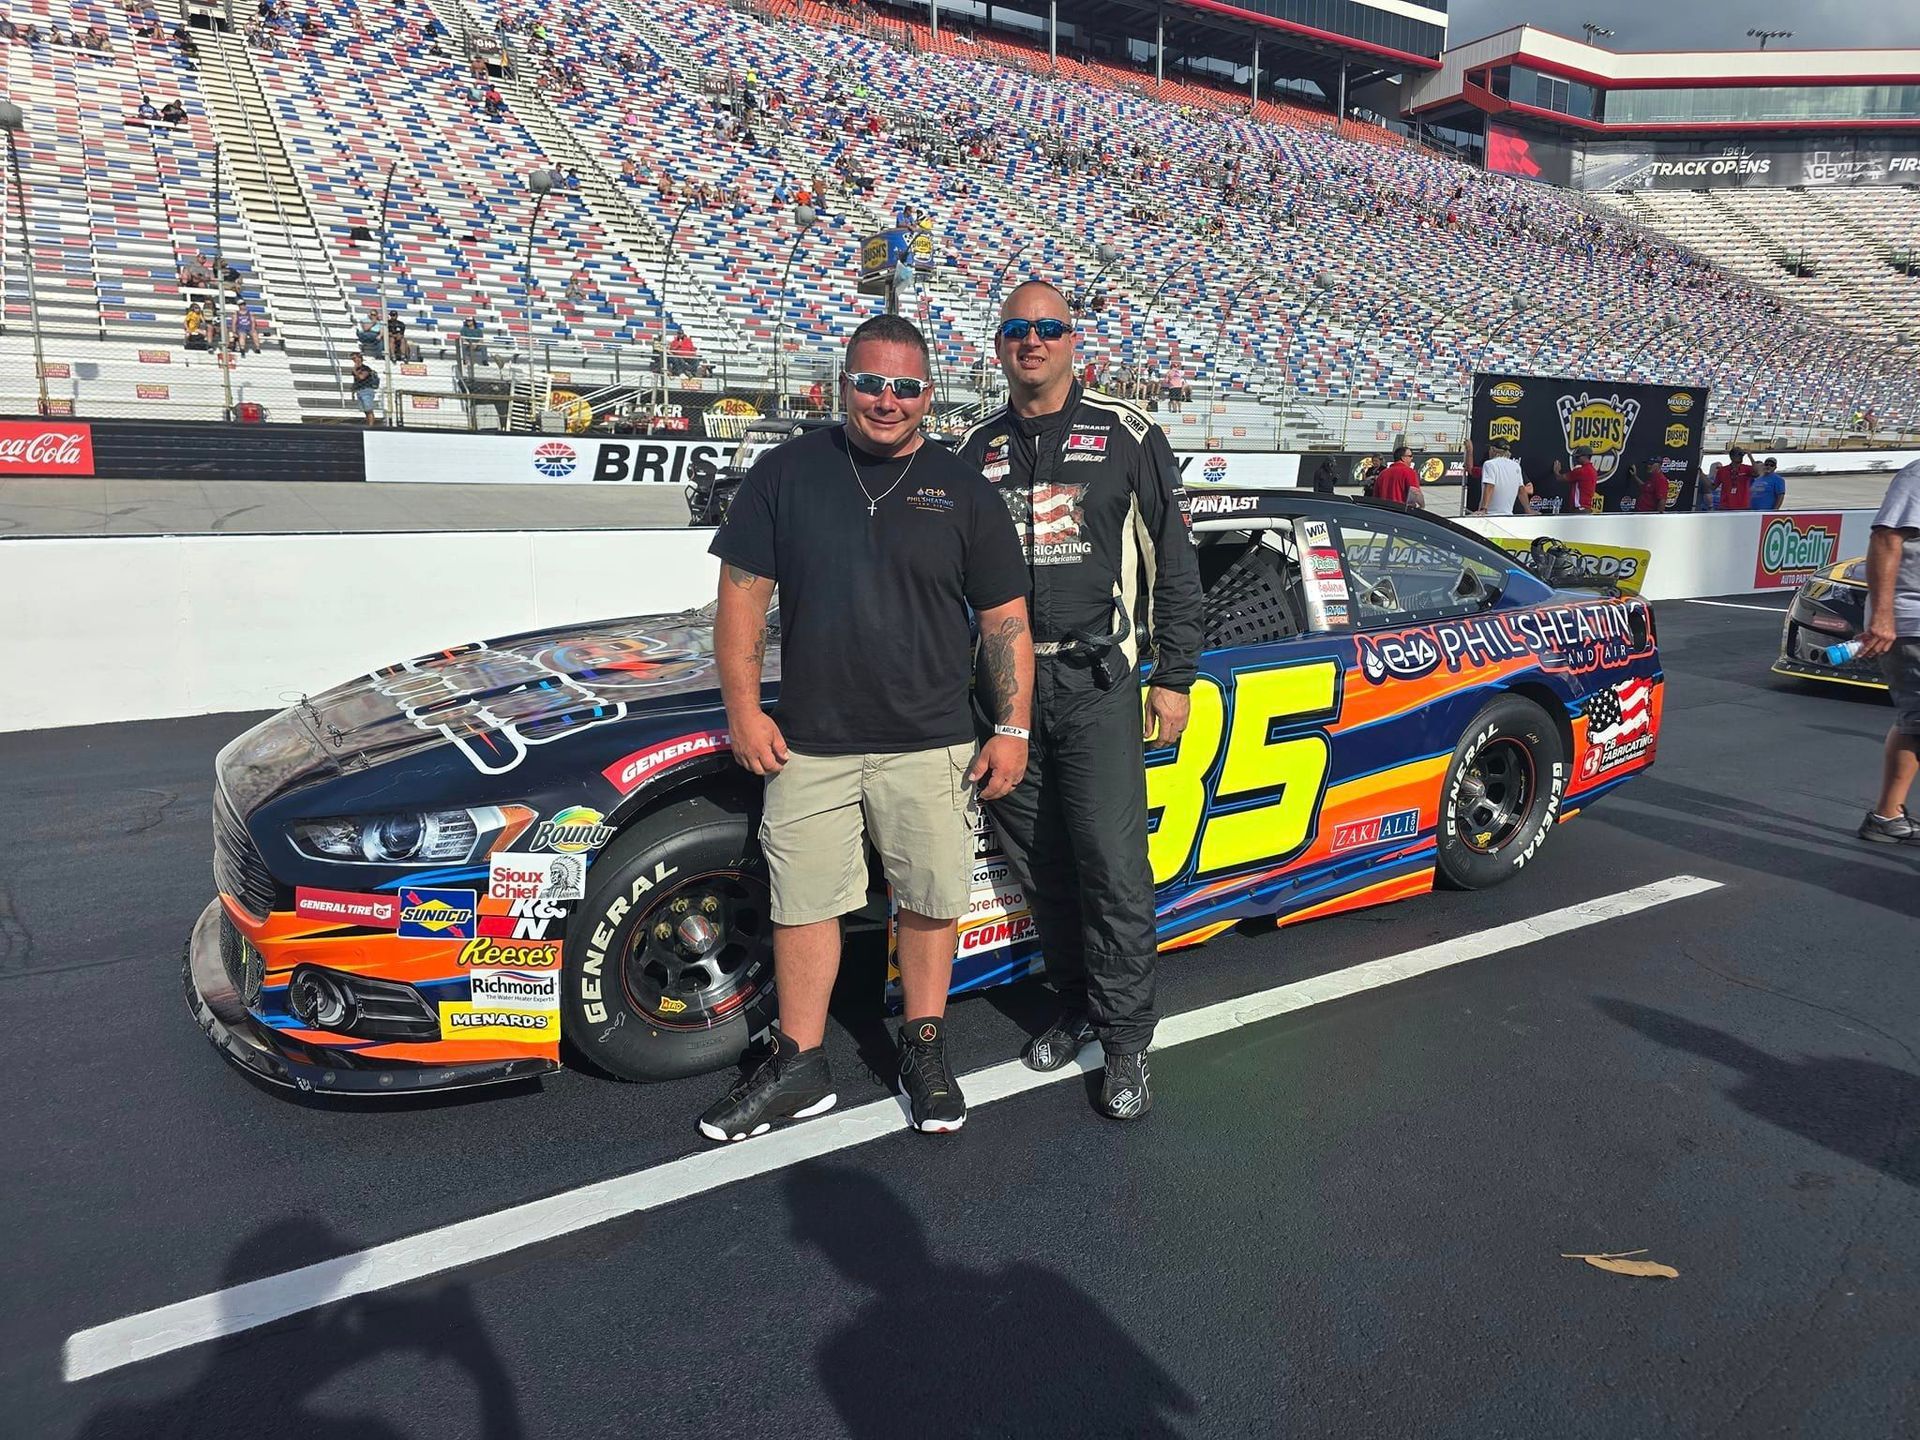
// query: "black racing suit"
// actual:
[[1095, 492]]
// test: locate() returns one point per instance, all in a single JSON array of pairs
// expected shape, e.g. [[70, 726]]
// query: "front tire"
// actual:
[[1501, 796], [669, 959]]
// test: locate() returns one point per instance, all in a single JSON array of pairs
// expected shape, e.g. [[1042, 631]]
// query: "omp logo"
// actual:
[[555, 459], [1507, 393], [1793, 550], [1677, 436], [1504, 428], [1602, 425], [1680, 402], [1398, 657]]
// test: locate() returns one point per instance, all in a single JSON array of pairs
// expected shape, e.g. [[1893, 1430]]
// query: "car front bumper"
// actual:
[[280, 1059]]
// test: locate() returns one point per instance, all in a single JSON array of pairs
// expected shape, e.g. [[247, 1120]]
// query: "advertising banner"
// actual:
[[1717, 165], [1795, 547], [1622, 565], [1549, 417], [396, 457], [1238, 467], [41, 447]]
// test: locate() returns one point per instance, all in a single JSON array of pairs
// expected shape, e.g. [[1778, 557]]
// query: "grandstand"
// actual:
[[1323, 275]]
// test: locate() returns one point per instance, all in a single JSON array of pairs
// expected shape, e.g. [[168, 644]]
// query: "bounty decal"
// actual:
[[1793, 549], [1567, 638], [1619, 726], [529, 875], [1601, 423], [573, 831]]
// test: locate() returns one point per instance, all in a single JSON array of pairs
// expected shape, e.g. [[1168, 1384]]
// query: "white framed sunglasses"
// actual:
[[905, 387]]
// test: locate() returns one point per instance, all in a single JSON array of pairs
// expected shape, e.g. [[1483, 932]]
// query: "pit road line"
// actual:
[[1736, 605], [247, 1306]]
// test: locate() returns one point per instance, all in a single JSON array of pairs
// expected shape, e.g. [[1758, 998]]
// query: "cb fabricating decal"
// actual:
[[1601, 424], [1619, 727], [1794, 549]]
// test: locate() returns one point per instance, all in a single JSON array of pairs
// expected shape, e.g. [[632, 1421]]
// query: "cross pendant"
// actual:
[[873, 507]]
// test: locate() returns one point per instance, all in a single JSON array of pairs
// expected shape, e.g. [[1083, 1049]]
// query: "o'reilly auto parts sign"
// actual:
[[425, 458]]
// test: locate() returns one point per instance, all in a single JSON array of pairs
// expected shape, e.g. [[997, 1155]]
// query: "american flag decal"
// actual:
[[1619, 712], [1057, 513]]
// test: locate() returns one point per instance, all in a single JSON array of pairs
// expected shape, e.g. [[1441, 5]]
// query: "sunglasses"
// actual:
[[905, 387], [1045, 329]]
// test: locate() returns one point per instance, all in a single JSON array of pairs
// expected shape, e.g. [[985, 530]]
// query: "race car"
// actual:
[[1830, 609], [434, 874]]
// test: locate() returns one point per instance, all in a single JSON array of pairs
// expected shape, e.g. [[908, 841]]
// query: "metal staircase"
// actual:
[[307, 300]]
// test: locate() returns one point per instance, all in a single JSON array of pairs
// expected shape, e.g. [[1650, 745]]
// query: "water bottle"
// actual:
[[1838, 655]]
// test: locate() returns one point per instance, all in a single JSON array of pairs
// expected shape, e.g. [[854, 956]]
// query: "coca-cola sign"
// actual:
[[34, 447]]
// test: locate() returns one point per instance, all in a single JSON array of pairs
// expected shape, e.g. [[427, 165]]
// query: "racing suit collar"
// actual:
[[1050, 423]]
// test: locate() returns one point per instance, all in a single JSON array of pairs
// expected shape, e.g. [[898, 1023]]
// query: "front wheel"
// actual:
[[669, 963], [1501, 796]]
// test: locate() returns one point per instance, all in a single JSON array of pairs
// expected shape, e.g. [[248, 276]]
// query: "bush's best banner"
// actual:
[[1551, 416]]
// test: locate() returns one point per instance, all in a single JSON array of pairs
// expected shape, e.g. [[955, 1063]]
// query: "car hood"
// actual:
[[495, 700]]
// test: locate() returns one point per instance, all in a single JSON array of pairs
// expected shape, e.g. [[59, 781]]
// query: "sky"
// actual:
[[1700, 25]]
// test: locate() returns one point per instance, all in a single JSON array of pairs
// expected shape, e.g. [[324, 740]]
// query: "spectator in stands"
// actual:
[[572, 182], [1768, 490], [173, 112], [370, 338], [578, 284], [681, 357], [1582, 481], [1732, 481], [183, 38], [8, 30], [1399, 483], [146, 114], [1176, 386], [195, 324], [245, 330], [97, 40], [366, 387], [816, 398], [472, 346], [491, 102], [397, 338]]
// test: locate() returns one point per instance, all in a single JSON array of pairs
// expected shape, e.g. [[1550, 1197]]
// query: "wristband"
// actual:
[[1013, 732]]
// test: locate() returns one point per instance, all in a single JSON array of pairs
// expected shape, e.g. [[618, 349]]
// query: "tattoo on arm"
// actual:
[[760, 649], [745, 579], [1002, 683]]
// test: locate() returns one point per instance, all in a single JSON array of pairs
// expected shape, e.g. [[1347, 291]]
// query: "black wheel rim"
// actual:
[[684, 976], [1495, 796]]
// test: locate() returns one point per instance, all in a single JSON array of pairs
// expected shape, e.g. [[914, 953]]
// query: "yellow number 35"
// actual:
[[1268, 778]]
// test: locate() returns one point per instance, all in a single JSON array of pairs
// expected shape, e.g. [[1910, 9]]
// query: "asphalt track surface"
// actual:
[[36, 508], [1345, 1221]]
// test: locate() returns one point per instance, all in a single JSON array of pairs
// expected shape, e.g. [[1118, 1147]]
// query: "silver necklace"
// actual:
[[873, 500]]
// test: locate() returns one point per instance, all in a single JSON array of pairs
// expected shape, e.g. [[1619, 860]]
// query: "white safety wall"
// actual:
[[122, 628]]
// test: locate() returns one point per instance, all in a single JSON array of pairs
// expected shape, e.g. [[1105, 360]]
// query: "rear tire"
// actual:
[[643, 1006], [1501, 796]]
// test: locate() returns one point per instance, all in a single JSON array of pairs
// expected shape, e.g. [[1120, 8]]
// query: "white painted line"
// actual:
[[275, 1297], [1735, 605]]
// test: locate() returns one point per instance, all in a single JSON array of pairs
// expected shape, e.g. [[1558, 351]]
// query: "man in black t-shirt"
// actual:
[[880, 542]]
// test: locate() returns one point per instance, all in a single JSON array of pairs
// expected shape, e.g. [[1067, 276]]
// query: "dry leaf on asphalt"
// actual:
[[1619, 1264]]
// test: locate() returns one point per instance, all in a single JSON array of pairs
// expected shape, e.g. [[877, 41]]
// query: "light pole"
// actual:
[[804, 217], [666, 270], [1516, 306], [993, 305], [222, 355], [386, 195], [1108, 258], [1763, 36], [13, 120], [541, 183], [1596, 33]]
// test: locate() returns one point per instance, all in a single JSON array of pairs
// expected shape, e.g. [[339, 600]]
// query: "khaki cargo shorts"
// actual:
[[918, 807]]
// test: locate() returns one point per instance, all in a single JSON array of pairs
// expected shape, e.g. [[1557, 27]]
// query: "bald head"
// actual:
[[1035, 300]]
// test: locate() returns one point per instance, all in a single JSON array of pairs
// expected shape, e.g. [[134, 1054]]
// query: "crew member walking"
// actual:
[[1093, 486], [1893, 635], [880, 543]]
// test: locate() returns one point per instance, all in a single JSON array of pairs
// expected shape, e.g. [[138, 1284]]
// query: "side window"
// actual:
[[1250, 581], [1400, 570]]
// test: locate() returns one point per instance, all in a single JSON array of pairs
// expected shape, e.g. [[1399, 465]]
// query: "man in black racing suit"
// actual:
[[1095, 492]]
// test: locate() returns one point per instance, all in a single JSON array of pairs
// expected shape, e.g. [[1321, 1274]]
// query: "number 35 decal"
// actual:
[[1268, 777]]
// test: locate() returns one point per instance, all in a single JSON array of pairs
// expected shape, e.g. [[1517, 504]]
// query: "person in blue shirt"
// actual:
[[1768, 490]]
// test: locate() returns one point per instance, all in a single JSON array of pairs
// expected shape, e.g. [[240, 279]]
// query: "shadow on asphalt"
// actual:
[[1772, 842], [946, 1350], [1861, 1109], [263, 1383]]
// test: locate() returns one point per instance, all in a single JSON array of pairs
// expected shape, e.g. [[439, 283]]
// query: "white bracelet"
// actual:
[[1013, 732]]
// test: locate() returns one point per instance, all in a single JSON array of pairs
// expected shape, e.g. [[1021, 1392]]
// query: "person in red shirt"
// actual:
[[1399, 482], [1653, 494], [1583, 479], [1735, 479]]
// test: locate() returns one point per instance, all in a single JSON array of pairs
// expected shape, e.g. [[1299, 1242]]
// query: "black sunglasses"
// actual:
[[905, 387], [1045, 329]]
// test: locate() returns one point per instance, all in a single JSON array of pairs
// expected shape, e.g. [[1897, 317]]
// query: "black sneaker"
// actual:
[[1126, 1091], [927, 1080], [790, 1084], [1060, 1044]]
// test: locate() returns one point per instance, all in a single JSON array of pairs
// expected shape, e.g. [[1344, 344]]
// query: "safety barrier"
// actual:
[[102, 630]]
